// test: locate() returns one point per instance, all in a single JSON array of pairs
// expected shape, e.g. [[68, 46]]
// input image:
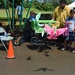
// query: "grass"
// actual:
[[3, 16], [2, 13]]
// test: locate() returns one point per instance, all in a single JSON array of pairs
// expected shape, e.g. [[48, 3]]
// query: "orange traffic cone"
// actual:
[[10, 53]]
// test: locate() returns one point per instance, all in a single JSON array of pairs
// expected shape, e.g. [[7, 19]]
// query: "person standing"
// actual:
[[18, 8], [26, 35], [70, 23], [60, 14]]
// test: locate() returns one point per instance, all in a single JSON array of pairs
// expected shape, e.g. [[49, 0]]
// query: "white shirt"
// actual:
[[18, 8], [71, 26]]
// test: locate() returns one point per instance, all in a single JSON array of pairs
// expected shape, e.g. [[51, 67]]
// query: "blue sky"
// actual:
[[73, 0]]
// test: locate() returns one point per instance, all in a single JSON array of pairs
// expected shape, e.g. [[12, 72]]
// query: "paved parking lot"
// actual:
[[31, 62]]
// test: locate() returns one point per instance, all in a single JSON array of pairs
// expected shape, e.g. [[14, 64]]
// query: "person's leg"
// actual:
[[74, 45], [60, 41], [18, 39], [74, 41], [71, 38], [19, 17], [17, 42], [65, 45], [70, 43]]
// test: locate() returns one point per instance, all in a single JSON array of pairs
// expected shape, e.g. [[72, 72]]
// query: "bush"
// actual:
[[38, 5], [47, 7], [27, 4], [43, 6]]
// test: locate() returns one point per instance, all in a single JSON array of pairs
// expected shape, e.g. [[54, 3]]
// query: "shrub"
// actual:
[[43, 6], [47, 7]]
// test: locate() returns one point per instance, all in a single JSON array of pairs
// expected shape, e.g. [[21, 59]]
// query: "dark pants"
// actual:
[[27, 31], [19, 16], [60, 41]]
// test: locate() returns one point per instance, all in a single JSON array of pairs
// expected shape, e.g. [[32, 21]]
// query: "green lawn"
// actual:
[[2, 13], [3, 16]]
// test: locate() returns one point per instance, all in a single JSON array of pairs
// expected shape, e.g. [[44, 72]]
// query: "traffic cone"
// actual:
[[10, 54]]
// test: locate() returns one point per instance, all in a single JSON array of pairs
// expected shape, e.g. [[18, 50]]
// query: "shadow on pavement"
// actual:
[[43, 69]]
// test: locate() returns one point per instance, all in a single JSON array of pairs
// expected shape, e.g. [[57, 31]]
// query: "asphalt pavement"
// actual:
[[30, 61]]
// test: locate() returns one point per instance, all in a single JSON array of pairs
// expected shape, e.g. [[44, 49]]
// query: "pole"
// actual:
[[27, 13], [12, 25], [21, 13], [7, 13]]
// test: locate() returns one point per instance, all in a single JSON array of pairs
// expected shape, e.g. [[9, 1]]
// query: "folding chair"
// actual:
[[4, 37]]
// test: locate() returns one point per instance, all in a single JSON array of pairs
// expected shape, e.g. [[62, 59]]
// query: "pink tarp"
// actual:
[[52, 34]]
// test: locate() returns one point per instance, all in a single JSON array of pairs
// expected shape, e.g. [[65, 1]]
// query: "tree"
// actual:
[[45, 1]]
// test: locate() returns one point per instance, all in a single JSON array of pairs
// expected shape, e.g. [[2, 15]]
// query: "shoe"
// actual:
[[17, 44], [73, 51], [63, 49], [54, 45]]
